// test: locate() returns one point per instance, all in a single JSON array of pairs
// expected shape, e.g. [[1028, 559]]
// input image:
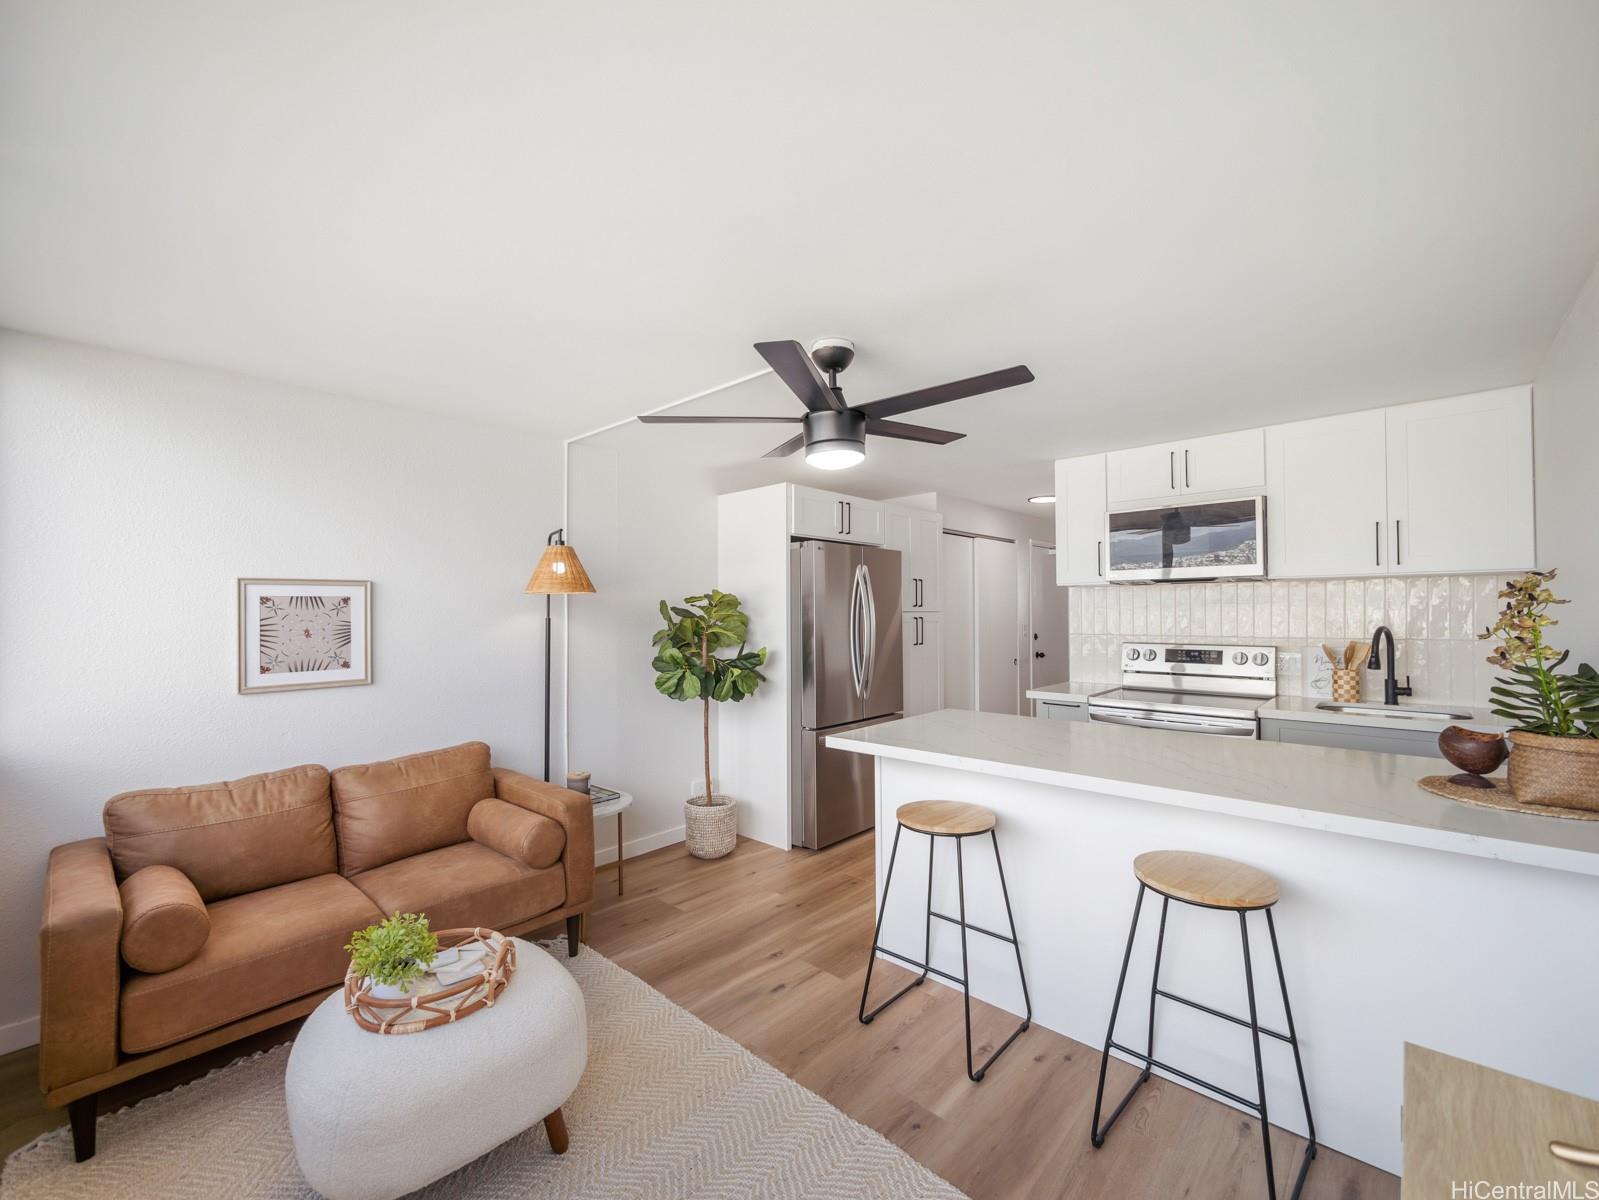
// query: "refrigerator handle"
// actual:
[[855, 630], [869, 657]]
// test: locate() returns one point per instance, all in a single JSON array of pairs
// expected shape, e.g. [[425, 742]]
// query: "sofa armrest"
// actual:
[[80, 971], [573, 811]]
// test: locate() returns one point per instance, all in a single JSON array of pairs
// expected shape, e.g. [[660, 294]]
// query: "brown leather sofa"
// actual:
[[206, 914]]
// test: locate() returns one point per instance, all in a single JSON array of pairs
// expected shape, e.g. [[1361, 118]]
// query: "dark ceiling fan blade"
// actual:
[[910, 433], [793, 365], [787, 448], [892, 406], [652, 420]]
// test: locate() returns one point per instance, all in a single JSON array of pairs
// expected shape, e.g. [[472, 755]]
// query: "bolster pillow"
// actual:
[[164, 922], [516, 833]]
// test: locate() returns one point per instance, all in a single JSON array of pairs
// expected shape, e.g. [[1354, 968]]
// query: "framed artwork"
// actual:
[[304, 633]]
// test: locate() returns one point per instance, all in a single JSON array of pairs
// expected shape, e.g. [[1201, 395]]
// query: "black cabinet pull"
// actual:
[[1185, 470], [839, 523], [1172, 467], [1399, 558], [1099, 559], [1376, 539]]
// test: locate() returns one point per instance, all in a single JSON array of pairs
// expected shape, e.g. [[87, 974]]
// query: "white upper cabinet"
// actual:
[[1225, 462], [1460, 494], [1327, 496], [814, 513], [918, 535], [1080, 519], [1142, 473]]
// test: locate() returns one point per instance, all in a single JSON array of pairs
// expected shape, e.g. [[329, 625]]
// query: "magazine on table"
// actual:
[[601, 794]]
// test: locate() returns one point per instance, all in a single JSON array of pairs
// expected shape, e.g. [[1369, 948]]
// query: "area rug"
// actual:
[[667, 1108]]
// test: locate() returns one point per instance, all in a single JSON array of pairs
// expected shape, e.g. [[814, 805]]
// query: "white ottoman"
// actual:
[[374, 1116]]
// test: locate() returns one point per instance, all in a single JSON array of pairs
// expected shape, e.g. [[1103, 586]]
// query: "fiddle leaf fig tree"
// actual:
[[691, 659]]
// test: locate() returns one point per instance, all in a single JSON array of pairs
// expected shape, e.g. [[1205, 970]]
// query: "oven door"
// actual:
[[1175, 722], [1210, 539]]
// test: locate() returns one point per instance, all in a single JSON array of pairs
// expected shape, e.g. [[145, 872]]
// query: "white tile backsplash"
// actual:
[[1435, 620]]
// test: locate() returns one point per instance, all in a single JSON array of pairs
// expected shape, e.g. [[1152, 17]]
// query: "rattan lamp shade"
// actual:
[[559, 572]]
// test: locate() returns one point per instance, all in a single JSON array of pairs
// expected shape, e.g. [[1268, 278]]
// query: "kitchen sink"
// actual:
[[1401, 712]]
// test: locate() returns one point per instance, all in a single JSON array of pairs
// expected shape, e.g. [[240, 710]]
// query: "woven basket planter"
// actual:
[[710, 830], [1561, 772]]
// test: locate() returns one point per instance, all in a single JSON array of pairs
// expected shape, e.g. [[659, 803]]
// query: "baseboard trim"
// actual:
[[604, 855], [19, 1035]]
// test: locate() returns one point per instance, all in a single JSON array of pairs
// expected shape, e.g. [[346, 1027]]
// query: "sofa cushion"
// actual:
[[463, 886], [265, 949], [228, 838], [528, 837], [391, 810], [164, 922]]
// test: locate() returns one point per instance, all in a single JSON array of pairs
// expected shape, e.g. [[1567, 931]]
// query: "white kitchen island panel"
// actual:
[[1383, 941]]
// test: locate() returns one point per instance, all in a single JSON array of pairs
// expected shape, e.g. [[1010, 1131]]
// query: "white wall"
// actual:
[[133, 492], [1566, 448], [644, 525]]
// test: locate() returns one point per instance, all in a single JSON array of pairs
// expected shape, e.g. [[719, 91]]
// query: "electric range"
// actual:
[[1190, 688]]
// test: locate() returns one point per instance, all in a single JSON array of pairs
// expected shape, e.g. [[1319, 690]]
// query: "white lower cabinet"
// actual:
[[923, 644]]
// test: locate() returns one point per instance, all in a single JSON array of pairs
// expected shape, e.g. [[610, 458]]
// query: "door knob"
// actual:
[[1038, 654]]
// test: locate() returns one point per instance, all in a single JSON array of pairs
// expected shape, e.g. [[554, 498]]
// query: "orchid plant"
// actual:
[[1534, 697]]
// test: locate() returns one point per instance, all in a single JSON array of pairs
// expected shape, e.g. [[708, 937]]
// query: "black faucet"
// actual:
[[1391, 691]]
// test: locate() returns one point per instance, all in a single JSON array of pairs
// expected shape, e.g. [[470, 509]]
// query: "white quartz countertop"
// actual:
[[1075, 690], [1303, 708], [1351, 792]]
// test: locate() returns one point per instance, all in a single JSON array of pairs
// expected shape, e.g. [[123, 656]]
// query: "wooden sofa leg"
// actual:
[[555, 1126], [574, 934], [83, 1114]]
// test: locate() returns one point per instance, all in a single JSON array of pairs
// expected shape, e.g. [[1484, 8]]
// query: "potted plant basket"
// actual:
[[1554, 756], [690, 664]]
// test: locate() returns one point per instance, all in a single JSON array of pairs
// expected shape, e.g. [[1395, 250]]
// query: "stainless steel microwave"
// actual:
[[1202, 539]]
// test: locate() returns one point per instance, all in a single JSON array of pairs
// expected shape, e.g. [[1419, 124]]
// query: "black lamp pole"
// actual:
[[556, 538]]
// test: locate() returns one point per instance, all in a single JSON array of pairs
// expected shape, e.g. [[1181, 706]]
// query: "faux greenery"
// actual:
[[688, 663], [1534, 697], [395, 951]]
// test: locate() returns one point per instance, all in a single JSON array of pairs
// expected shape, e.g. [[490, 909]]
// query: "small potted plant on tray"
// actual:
[[689, 666], [1554, 757], [393, 954]]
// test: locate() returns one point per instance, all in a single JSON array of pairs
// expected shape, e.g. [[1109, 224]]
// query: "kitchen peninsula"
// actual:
[[1404, 916]]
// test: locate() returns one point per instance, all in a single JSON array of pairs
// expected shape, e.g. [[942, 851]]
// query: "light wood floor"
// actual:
[[770, 948]]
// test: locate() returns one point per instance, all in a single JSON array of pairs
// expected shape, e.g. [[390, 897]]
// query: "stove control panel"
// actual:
[[1236, 670]]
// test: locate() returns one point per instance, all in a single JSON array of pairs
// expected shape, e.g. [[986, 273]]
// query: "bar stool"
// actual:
[[946, 819], [1206, 881]]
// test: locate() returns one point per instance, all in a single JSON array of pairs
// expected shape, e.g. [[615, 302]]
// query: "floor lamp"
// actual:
[[559, 573]]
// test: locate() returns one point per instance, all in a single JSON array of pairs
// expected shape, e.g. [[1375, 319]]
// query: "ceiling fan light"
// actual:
[[834, 455]]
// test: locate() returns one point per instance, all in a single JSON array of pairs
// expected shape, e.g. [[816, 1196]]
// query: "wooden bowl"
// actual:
[[1474, 752]]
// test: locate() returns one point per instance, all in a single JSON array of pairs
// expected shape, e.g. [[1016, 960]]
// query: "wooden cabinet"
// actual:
[[1327, 496], [924, 662], [818, 514], [1226, 462], [1080, 520], [918, 535], [1460, 483], [1142, 473], [1463, 1123]]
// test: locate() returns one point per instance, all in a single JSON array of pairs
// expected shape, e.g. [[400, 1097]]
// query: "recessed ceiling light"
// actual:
[[1041, 499]]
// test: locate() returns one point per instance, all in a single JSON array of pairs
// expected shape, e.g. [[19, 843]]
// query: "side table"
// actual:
[[615, 808]]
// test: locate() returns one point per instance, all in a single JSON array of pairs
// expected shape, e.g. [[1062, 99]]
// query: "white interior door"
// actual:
[[1046, 608], [956, 569], [998, 625]]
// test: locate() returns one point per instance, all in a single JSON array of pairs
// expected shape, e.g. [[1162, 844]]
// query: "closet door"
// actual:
[[998, 626], [956, 567]]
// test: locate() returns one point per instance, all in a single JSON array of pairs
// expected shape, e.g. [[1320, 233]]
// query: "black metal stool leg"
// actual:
[[1096, 1133], [1154, 982], [1016, 942], [966, 970], [877, 936], [1260, 1072], [1293, 1041]]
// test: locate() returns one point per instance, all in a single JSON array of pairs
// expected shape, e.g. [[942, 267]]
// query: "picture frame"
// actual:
[[297, 634]]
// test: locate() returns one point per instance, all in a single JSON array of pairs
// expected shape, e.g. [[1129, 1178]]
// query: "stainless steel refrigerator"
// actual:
[[846, 609]]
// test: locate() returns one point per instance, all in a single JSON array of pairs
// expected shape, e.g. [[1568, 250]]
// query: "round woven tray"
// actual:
[[1500, 797], [426, 1010]]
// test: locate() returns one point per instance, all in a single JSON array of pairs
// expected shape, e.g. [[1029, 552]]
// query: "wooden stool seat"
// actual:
[[945, 817], [1206, 879]]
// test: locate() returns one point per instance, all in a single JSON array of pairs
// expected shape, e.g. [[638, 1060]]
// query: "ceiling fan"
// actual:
[[834, 434]]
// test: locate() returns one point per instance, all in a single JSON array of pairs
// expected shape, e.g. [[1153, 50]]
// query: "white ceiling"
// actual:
[[1184, 217]]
